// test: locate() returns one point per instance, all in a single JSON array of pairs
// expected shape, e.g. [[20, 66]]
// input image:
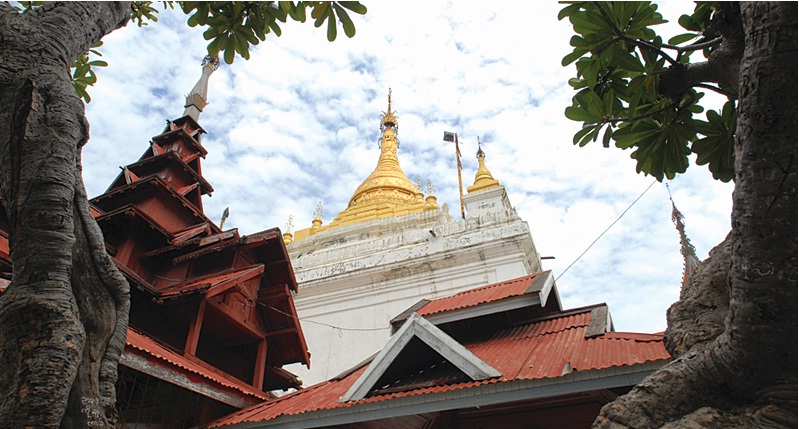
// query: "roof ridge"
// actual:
[[488, 286]]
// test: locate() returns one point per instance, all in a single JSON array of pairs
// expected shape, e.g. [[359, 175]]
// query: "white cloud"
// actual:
[[298, 124]]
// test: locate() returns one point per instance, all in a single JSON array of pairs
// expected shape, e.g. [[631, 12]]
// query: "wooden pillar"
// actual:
[[260, 366], [124, 251], [194, 332]]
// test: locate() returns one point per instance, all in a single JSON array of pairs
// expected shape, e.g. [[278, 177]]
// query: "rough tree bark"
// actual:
[[733, 332], [63, 318]]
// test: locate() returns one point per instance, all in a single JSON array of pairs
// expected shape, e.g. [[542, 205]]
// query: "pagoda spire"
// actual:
[[387, 181], [198, 97], [387, 191], [388, 119], [690, 261], [483, 178]]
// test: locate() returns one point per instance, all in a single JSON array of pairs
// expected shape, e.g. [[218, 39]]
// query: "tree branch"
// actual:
[[695, 46], [676, 104], [715, 89]]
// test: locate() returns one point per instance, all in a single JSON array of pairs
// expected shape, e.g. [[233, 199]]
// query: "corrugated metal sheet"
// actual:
[[533, 351], [481, 295], [143, 343]]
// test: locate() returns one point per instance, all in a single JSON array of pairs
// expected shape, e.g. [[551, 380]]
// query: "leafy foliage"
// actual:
[[622, 65], [140, 11], [233, 27], [82, 73]]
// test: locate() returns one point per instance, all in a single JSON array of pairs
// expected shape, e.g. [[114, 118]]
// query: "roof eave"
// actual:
[[483, 395]]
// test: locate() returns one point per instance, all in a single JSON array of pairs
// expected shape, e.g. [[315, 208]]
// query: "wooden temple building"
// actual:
[[212, 318]]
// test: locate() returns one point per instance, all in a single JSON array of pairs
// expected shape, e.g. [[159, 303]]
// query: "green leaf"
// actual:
[[606, 136], [210, 33], [354, 6], [573, 56], [319, 11], [627, 61], [687, 22], [331, 28], [194, 20], [629, 136], [229, 55], [569, 10], [578, 137], [578, 114], [592, 136], [296, 13], [346, 22], [682, 38], [717, 148]]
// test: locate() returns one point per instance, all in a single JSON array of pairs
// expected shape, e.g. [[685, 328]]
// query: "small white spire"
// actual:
[[198, 97]]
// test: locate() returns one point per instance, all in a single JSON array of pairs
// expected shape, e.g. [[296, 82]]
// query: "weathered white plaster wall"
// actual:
[[359, 277]]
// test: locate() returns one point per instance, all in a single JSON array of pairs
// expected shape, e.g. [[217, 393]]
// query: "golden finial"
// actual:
[[288, 237], [317, 218], [213, 61], [430, 189], [483, 178], [388, 117]]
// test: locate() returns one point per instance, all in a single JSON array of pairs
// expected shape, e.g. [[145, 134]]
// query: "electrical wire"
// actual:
[[606, 230], [320, 323]]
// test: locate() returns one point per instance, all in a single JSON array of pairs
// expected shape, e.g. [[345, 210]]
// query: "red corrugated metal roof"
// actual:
[[481, 295], [535, 350], [138, 341]]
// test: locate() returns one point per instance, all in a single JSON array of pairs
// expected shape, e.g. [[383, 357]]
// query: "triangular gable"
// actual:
[[436, 339]]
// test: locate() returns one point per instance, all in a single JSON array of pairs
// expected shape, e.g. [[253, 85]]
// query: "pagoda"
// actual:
[[393, 246]]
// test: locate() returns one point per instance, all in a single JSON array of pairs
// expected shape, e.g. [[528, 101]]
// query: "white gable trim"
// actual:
[[435, 338]]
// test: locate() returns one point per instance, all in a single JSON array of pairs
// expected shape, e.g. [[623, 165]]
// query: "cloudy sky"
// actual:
[[298, 124]]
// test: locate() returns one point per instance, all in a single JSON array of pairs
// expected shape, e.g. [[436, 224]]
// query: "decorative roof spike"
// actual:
[[691, 262], [288, 237], [480, 153], [388, 117], [225, 215], [198, 97], [318, 212]]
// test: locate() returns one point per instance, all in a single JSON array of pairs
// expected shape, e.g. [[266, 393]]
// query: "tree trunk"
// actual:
[[742, 372], [63, 318]]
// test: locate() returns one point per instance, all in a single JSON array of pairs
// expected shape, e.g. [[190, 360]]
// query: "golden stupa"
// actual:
[[385, 193], [483, 178]]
